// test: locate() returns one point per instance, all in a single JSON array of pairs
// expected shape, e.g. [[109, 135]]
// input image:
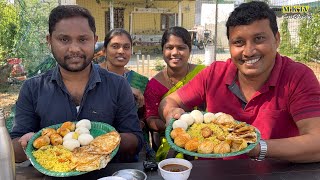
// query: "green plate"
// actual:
[[97, 129], [182, 150]]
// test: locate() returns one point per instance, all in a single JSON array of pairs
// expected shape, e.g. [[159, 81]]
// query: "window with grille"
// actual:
[[168, 20], [118, 15]]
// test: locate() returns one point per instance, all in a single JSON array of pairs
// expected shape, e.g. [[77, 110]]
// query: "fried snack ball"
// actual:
[[182, 139], [221, 138], [175, 132], [41, 141], [224, 119], [197, 116], [71, 144], [82, 130], [222, 148], [63, 131], [192, 145], [86, 123], [48, 132], [85, 139], [206, 147], [187, 118], [206, 132], [180, 123], [69, 125], [56, 139], [209, 117]]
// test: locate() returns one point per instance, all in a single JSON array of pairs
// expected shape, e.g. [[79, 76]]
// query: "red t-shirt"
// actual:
[[291, 93]]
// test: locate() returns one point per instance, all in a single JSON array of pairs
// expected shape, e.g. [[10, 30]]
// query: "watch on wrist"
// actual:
[[263, 151]]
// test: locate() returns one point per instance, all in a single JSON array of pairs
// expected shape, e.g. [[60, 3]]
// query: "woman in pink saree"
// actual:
[[176, 48]]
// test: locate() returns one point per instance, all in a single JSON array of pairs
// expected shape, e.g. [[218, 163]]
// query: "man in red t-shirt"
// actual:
[[260, 87]]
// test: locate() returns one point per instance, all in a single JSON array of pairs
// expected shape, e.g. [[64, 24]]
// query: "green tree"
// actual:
[[286, 47], [31, 43], [309, 37], [9, 26]]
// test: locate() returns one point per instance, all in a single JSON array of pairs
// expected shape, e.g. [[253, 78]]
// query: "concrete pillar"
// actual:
[[143, 59], [111, 15], [209, 54], [148, 64], [138, 59], [179, 13]]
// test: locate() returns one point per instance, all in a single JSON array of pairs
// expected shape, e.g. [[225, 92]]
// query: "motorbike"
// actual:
[[201, 43]]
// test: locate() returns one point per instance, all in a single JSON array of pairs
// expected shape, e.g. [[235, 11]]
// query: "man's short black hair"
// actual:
[[249, 12], [68, 11]]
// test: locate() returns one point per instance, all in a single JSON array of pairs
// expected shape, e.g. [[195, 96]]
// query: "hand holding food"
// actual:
[[25, 139], [138, 95], [174, 113], [74, 152]]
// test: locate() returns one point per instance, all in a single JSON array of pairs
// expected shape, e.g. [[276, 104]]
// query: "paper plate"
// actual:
[[97, 129], [212, 155]]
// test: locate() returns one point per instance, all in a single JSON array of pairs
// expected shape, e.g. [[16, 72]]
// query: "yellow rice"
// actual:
[[54, 158], [195, 132]]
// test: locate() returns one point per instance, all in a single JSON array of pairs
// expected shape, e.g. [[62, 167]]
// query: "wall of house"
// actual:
[[148, 23], [98, 12]]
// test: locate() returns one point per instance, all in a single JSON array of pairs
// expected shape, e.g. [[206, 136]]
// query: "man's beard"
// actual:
[[64, 63]]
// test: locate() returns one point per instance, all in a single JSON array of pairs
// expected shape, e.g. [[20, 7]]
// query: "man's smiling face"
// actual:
[[253, 48]]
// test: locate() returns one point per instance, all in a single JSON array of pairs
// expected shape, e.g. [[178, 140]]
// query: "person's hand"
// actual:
[[138, 96], [25, 139], [254, 152], [174, 113]]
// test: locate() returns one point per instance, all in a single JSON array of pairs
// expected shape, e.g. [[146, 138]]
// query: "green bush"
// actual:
[[309, 38], [9, 27], [286, 47], [198, 60], [159, 65], [32, 46], [23, 29]]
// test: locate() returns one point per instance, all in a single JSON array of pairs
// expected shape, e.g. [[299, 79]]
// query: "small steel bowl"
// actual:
[[132, 174]]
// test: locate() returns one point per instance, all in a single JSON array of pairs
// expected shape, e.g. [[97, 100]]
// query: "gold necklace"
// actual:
[[171, 82]]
